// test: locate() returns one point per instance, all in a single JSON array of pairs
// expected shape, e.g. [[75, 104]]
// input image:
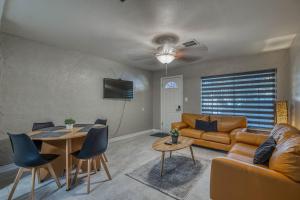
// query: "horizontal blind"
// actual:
[[250, 94]]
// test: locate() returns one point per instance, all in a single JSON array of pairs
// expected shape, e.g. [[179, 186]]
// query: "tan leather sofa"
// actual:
[[228, 126], [236, 178]]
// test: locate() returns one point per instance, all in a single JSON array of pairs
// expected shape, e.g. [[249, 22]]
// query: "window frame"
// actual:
[[239, 89]]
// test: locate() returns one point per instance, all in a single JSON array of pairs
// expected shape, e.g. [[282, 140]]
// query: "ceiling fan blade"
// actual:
[[189, 59]]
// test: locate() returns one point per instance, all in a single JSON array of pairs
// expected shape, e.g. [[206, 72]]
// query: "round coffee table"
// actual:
[[183, 142]]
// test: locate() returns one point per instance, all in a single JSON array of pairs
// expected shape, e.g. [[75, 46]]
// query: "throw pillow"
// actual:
[[264, 152], [206, 126]]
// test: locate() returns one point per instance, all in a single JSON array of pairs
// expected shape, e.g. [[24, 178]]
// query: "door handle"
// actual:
[[178, 108]]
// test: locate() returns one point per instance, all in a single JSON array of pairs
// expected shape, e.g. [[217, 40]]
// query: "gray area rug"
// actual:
[[180, 174]]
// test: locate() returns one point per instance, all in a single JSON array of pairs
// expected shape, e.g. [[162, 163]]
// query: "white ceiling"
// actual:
[[116, 30]]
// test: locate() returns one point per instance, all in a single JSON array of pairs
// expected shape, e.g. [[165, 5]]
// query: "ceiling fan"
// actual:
[[165, 48]]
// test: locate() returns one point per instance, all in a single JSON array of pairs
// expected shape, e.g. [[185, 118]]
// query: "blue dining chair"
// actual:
[[38, 126], [94, 146], [102, 122], [27, 157]]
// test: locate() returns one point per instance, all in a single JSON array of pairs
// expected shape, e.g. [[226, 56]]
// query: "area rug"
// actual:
[[159, 134], [180, 174]]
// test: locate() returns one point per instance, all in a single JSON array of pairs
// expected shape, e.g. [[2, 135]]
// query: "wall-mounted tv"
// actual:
[[117, 89]]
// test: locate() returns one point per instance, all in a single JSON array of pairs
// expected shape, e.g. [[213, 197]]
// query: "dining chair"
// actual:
[[27, 157], [103, 122], [37, 126], [38, 143], [94, 146]]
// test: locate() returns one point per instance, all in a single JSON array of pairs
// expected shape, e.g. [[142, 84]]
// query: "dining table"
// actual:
[[62, 141]]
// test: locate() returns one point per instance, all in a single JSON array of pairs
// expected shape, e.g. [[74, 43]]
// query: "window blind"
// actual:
[[250, 94]]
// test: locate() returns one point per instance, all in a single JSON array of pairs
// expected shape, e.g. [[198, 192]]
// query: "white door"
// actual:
[[171, 101]]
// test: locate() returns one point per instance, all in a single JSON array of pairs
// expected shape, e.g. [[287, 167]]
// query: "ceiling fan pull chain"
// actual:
[[166, 69]]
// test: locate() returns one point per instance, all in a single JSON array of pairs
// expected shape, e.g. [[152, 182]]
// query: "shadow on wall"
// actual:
[[5, 152]]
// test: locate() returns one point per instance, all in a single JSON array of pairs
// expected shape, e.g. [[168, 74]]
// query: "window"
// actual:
[[250, 94], [170, 84]]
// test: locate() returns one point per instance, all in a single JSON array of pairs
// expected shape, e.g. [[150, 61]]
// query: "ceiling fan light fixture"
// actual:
[[166, 54], [165, 58]]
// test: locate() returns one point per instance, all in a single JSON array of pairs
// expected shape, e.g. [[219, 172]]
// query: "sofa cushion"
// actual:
[[219, 137], [286, 158], [240, 157], [244, 149], [190, 119], [193, 133], [264, 152], [228, 123], [255, 139], [206, 126]]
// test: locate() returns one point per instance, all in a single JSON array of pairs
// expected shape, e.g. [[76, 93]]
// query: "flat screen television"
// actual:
[[117, 89]]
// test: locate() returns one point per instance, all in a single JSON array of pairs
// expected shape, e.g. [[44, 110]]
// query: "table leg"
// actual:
[[170, 154], [162, 163], [192, 153], [68, 164]]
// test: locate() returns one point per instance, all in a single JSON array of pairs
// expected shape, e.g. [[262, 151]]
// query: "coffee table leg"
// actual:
[[192, 153], [170, 154], [162, 163]]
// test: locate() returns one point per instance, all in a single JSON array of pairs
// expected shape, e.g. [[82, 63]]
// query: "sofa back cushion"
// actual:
[[281, 132], [286, 157], [190, 119], [229, 123]]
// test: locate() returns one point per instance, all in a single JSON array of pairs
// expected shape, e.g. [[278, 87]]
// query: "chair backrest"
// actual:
[[95, 143], [23, 148], [101, 121], [38, 126]]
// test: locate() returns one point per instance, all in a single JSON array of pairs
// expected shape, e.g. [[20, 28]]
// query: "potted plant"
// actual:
[[69, 123], [174, 135]]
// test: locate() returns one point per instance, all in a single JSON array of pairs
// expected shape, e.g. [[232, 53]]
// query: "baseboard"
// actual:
[[156, 130], [123, 137]]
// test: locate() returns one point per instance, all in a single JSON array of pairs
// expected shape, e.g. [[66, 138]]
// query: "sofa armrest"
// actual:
[[251, 138], [235, 180], [179, 125], [233, 134]]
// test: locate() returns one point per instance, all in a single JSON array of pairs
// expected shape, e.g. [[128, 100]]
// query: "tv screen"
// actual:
[[117, 89]]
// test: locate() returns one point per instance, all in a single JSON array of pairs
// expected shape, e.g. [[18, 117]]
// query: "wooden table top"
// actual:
[[183, 142], [61, 134]]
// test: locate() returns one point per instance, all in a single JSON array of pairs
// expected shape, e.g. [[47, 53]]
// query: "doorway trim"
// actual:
[[161, 96]]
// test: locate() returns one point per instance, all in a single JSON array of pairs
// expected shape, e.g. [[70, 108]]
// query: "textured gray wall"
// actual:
[[40, 83], [295, 83], [192, 74]]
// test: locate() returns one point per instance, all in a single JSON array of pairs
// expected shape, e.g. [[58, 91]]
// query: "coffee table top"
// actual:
[[183, 142]]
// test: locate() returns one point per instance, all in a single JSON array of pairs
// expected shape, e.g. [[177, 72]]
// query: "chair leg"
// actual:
[[33, 171], [94, 165], [89, 175], [99, 162], [39, 175], [105, 166], [16, 181], [50, 168], [105, 158], [77, 171]]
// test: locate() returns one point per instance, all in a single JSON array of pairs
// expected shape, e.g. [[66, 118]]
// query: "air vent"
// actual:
[[192, 43]]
